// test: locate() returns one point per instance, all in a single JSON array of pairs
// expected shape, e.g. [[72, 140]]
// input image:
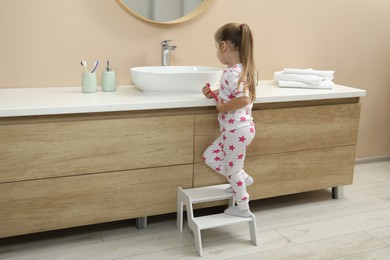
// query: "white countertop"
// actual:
[[70, 100]]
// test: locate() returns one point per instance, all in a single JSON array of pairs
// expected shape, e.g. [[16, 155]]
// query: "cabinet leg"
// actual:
[[338, 192], [141, 222]]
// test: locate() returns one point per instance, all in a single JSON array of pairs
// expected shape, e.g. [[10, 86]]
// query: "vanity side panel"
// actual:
[[55, 203], [73, 147]]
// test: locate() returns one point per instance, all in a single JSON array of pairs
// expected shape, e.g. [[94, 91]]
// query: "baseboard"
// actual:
[[372, 159]]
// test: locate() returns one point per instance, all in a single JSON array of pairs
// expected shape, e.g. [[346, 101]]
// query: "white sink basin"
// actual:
[[174, 79]]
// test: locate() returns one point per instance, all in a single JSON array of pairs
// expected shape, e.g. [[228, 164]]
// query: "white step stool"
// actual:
[[188, 197]]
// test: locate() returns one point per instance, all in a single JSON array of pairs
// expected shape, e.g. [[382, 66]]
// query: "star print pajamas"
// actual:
[[227, 153], [226, 156]]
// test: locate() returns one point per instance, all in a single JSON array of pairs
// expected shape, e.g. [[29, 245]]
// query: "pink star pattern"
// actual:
[[244, 198], [220, 157]]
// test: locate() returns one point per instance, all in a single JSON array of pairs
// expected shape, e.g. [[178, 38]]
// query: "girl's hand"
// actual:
[[207, 92]]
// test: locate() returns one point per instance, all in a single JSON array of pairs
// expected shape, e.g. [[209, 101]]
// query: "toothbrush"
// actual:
[[212, 93], [84, 64], [95, 66]]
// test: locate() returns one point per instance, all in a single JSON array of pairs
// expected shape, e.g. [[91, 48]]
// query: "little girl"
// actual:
[[236, 94]]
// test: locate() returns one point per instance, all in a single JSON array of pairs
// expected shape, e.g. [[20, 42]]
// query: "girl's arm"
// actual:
[[233, 104]]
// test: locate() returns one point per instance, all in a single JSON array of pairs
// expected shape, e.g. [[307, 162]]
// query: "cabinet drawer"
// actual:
[[289, 129], [39, 205], [288, 173], [51, 149]]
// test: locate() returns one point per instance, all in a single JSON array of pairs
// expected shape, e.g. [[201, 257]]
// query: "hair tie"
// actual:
[[241, 25]]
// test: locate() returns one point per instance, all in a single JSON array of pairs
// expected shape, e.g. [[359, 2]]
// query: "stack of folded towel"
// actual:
[[305, 78]]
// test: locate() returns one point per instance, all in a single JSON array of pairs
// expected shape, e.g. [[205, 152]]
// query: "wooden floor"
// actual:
[[303, 226]]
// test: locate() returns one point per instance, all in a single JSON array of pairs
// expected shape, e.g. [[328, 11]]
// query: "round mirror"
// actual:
[[164, 11]]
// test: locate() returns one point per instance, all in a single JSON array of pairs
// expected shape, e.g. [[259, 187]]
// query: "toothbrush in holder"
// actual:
[[95, 66], [84, 64], [212, 93]]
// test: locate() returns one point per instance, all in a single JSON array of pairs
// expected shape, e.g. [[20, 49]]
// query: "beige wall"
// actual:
[[43, 41]]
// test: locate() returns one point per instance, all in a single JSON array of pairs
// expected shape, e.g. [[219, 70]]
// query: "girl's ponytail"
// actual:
[[247, 60]]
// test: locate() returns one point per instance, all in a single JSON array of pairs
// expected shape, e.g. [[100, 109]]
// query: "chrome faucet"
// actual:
[[165, 50]]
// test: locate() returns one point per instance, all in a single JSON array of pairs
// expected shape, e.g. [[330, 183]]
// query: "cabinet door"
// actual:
[[304, 128], [50, 149], [289, 129], [47, 204], [288, 173]]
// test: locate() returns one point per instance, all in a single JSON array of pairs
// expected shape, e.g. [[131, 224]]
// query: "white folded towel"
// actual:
[[323, 73], [328, 84], [311, 79]]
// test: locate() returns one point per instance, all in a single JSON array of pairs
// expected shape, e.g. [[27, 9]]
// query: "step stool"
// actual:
[[188, 197]]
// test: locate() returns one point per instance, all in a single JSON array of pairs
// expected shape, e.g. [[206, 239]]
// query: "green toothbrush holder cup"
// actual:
[[89, 82], [108, 81]]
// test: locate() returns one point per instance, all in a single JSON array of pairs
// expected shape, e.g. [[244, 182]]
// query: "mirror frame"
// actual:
[[187, 17]]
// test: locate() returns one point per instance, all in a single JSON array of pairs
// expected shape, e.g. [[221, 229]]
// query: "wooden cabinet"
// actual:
[[65, 171], [54, 203], [292, 172], [296, 149], [65, 146], [72, 170]]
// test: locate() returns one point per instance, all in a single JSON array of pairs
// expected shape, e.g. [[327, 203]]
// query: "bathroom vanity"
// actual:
[[70, 159]]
